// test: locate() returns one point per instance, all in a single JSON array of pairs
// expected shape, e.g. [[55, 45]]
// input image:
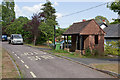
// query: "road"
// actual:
[[34, 63]]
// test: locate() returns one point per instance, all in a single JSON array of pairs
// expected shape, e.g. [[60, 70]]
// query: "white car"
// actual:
[[16, 39]]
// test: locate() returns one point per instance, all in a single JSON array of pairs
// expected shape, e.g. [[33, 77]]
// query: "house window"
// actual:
[[96, 39]]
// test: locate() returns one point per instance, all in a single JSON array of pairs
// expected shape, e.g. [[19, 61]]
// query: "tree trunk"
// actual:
[[34, 42]]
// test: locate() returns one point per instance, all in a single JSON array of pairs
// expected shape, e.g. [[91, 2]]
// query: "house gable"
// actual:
[[92, 28]]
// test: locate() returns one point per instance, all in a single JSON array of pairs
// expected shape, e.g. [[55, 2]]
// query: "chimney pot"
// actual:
[[83, 20]]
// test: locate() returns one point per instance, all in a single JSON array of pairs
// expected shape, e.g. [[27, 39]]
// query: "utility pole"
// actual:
[[54, 35]]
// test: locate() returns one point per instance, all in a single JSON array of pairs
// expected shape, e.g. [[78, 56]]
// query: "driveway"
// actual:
[[34, 63]]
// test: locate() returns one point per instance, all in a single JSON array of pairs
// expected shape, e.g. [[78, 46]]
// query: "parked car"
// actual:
[[16, 39], [4, 37]]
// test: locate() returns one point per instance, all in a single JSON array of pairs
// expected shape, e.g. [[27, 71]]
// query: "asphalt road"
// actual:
[[34, 63]]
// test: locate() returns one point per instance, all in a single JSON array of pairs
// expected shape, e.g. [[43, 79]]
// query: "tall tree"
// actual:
[[48, 13], [99, 19], [115, 6], [8, 13], [33, 27]]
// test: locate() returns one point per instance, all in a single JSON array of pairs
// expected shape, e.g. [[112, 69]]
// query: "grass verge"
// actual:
[[109, 67], [8, 68]]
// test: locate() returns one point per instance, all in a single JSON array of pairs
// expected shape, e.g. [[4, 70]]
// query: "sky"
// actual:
[[26, 9]]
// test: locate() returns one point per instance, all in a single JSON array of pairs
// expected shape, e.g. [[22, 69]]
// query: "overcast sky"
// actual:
[[25, 8]]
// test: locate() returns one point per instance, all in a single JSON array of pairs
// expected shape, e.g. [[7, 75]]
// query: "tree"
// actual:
[[116, 21], [8, 13], [33, 27], [48, 13], [99, 19], [16, 27], [115, 6]]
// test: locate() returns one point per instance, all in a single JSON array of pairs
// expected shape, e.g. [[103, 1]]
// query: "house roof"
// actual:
[[112, 30], [76, 27]]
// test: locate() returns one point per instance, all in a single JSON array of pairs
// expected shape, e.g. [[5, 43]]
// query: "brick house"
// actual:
[[86, 34]]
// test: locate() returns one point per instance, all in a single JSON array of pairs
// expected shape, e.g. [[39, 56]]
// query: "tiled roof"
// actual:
[[77, 27], [112, 30]]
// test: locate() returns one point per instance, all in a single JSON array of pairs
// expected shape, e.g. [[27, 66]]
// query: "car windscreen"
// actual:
[[17, 36]]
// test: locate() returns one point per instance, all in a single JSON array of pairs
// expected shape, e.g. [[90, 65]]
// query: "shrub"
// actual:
[[87, 52], [112, 48], [95, 52]]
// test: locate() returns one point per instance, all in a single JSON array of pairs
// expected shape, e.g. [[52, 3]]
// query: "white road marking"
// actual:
[[18, 57], [35, 52], [27, 66], [44, 53], [47, 57], [15, 54], [33, 75], [22, 61], [37, 58], [29, 57], [51, 57], [25, 53]]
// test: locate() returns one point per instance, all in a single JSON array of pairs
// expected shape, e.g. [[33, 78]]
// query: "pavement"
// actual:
[[34, 63], [89, 61]]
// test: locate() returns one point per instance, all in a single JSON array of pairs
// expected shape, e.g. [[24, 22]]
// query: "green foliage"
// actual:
[[60, 51], [49, 21], [88, 52], [95, 52], [115, 6], [8, 13], [112, 48], [99, 19], [116, 21], [16, 27]]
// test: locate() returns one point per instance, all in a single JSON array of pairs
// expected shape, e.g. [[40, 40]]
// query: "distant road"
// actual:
[[37, 64]]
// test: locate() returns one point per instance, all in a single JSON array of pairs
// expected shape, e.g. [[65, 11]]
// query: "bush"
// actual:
[[95, 52], [112, 48], [87, 52]]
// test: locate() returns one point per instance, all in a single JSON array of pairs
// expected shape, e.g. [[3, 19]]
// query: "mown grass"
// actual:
[[107, 66]]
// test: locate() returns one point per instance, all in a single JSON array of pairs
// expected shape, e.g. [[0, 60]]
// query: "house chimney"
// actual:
[[104, 21], [83, 20]]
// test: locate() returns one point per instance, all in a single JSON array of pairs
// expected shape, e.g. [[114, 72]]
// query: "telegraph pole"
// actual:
[[54, 35]]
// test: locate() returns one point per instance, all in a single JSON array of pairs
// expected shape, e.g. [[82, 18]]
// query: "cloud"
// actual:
[[55, 4], [58, 15], [33, 9], [28, 11], [18, 11]]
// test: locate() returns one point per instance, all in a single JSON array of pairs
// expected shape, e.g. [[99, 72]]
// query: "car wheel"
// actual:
[[12, 43]]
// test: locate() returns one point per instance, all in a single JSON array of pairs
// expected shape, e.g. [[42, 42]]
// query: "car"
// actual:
[[16, 39], [4, 37]]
